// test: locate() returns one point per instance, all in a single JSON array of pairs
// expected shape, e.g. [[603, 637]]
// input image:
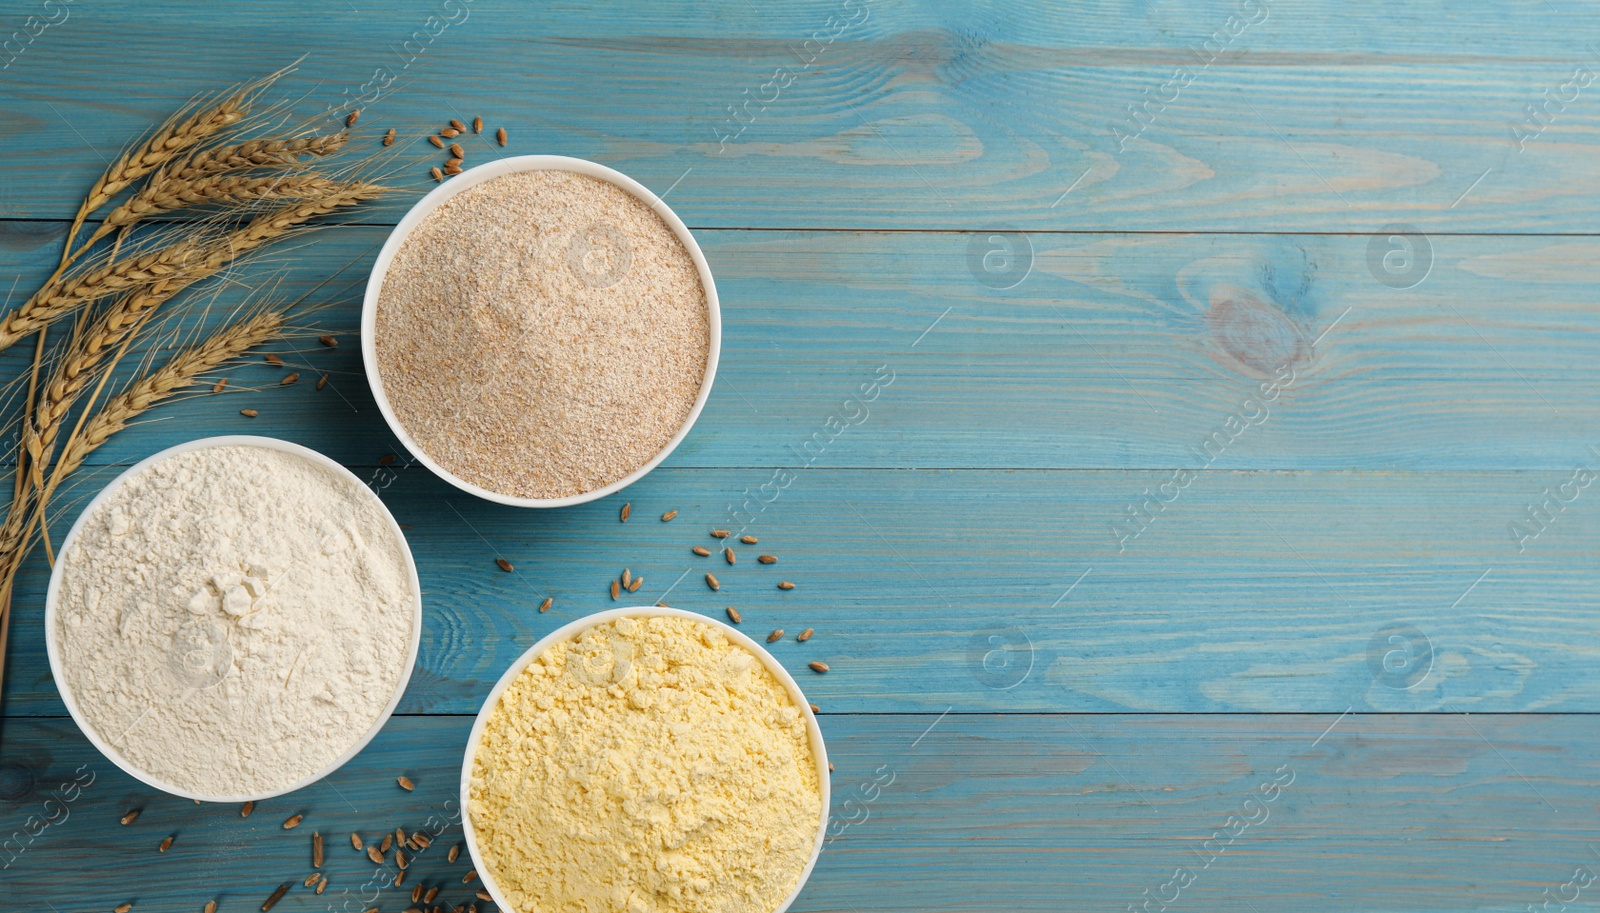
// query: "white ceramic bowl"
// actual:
[[53, 595], [568, 631], [477, 175]]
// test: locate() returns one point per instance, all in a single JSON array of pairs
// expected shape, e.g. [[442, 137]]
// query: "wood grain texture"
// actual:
[[1085, 584], [963, 813], [900, 114], [1111, 352], [1249, 592]]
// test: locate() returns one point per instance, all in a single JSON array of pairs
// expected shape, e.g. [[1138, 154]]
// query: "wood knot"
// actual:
[[1252, 334], [16, 782]]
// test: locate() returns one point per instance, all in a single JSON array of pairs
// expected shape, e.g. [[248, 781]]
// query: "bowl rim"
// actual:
[[570, 630], [488, 171], [52, 600]]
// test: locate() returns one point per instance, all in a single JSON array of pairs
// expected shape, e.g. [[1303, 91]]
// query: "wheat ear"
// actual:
[[265, 152], [183, 130], [182, 370], [61, 296], [218, 189], [261, 230], [270, 225], [126, 315], [169, 140]]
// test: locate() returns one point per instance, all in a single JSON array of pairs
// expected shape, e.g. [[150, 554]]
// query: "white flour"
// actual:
[[233, 619]]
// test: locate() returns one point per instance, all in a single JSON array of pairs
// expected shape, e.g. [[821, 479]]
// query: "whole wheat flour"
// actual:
[[647, 765], [232, 619], [542, 334]]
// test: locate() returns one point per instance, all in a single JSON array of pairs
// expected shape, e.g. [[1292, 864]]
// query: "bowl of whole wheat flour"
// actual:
[[645, 758], [233, 618], [541, 331]]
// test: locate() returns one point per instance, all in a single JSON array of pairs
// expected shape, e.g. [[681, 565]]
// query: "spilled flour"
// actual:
[[233, 619], [648, 765]]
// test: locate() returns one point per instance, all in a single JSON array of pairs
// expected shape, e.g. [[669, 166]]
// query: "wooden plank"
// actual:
[[971, 813], [1011, 591], [902, 115], [1113, 352]]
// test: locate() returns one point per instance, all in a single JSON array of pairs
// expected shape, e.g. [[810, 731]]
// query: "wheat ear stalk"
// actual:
[[17, 516]]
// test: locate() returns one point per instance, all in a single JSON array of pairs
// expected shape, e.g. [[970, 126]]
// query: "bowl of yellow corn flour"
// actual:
[[645, 760]]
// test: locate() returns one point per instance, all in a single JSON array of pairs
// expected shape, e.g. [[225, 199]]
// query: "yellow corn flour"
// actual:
[[649, 765]]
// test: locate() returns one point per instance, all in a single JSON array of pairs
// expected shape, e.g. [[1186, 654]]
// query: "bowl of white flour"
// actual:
[[233, 618], [645, 758]]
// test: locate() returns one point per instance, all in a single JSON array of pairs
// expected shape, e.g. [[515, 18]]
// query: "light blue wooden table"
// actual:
[[1183, 557]]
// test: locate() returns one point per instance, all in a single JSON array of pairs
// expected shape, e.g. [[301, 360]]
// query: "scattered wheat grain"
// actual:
[[276, 896]]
